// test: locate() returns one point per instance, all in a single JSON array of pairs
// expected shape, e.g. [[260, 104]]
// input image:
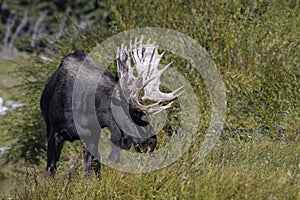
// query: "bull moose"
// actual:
[[59, 108]]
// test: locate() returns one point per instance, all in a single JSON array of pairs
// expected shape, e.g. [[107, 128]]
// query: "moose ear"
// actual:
[[138, 116]]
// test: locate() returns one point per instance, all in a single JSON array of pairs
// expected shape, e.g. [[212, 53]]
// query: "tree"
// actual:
[[32, 25]]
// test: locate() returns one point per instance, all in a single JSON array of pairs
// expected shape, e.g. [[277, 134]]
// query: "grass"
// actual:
[[7, 92], [7, 83], [261, 169], [7, 80], [255, 45]]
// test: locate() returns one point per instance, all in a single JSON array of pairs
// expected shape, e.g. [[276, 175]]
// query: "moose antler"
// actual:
[[146, 60]]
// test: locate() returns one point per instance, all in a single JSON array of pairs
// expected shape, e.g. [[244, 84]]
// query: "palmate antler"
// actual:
[[146, 59]]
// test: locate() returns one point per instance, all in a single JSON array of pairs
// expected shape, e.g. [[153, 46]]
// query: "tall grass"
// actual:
[[260, 169], [255, 45]]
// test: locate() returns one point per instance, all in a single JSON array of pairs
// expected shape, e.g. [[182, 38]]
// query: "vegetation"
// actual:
[[233, 170], [31, 26], [255, 45]]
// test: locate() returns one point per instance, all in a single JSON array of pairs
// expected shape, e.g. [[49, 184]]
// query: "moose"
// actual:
[[70, 117]]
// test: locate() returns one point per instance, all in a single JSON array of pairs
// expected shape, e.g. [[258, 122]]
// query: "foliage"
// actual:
[[255, 45], [31, 25]]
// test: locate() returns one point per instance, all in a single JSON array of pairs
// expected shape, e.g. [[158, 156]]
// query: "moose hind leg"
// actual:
[[55, 144]]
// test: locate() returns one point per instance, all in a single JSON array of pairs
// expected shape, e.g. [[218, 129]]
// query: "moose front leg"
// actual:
[[91, 162], [116, 140], [91, 153]]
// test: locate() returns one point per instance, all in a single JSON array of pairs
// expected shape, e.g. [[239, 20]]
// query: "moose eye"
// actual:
[[138, 117]]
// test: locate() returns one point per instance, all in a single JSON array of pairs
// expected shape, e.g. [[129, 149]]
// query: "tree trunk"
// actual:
[[9, 40]]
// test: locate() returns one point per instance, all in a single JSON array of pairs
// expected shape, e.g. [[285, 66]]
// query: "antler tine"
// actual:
[[141, 40], [156, 110], [149, 42], [177, 90]]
